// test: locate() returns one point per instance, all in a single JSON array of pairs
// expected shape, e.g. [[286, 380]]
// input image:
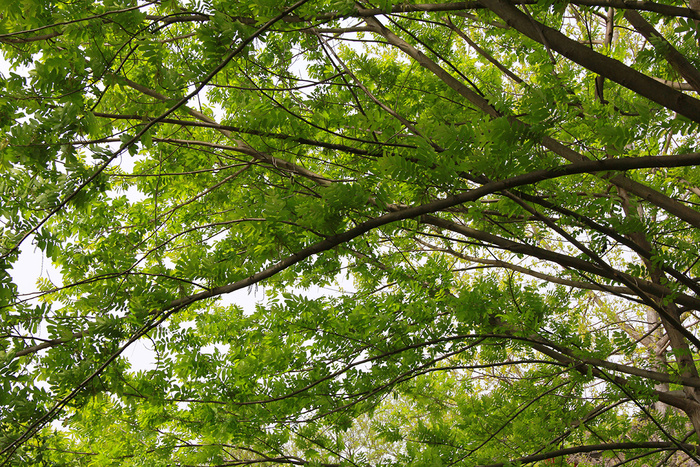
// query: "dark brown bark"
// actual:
[[609, 68], [565, 261], [651, 445], [659, 199], [672, 56]]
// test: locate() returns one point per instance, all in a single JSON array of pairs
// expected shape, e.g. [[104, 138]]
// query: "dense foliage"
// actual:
[[474, 224]]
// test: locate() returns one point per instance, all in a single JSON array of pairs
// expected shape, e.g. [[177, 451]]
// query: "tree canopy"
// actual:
[[476, 225]]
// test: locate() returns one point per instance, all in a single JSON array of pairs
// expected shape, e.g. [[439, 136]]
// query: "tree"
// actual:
[[505, 192]]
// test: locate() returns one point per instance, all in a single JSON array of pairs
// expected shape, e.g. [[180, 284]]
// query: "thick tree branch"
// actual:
[[656, 445], [672, 56], [565, 261], [609, 68], [659, 199]]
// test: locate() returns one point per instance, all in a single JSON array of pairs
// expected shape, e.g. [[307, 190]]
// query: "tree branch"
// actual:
[[611, 69], [660, 445], [672, 56]]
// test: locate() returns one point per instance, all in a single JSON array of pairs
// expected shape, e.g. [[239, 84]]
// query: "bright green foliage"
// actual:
[[474, 225]]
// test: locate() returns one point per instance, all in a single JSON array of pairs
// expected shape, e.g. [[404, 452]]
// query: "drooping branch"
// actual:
[[261, 156]]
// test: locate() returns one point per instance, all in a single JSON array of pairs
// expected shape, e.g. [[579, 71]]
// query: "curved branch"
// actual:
[[659, 199], [659, 445], [250, 131], [563, 260]]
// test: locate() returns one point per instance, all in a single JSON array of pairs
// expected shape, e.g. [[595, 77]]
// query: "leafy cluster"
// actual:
[[474, 226]]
